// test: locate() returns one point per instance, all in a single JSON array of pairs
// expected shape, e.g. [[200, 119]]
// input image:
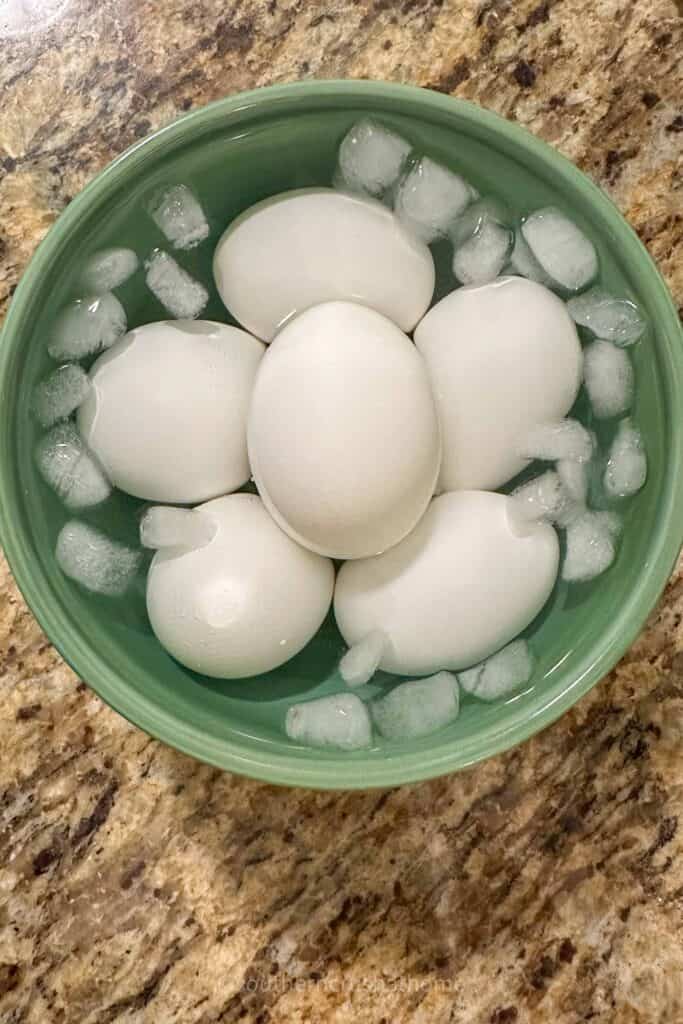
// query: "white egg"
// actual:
[[459, 587], [167, 412], [300, 248], [245, 602], [503, 357], [343, 433]]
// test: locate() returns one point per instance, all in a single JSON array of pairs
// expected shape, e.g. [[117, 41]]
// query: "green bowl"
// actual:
[[234, 153]]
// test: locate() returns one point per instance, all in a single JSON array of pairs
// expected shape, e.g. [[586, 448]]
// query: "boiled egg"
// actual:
[[459, 587], [244, 602], [308, 246], [503, 357], [343, 432], [167, 411]]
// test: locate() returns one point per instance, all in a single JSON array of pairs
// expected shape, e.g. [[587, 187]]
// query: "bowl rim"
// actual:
[[340, 772]]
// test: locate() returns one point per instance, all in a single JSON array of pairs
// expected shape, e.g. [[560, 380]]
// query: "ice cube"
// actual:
[[482, 258], [59, 394], [478, 213], [608, 376], [179, 215], [163, 526], [361, 661], [108, 269], [87, 326], [591, 546], [430, 199], [176, 290], [90, 558], [341, 720], [563, 439], [370, 158], [574, 478], [542, 499], [524, 263], [481, 242], [561, 248], [417, 708], [626, 470], [70, 469], [617, 320], [501, 674]]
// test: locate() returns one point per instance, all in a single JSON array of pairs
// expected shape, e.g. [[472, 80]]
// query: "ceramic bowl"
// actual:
[[234, 153]]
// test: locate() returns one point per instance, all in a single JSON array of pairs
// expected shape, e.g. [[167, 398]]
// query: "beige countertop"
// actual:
[[545, 886]]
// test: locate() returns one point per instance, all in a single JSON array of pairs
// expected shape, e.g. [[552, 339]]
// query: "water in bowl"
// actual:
[[225, 181]]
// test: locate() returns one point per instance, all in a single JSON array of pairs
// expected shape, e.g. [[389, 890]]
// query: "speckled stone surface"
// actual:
[[545, 886]]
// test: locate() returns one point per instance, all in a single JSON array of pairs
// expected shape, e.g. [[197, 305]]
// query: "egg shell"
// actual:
[[502, 357], [167, 411], [459, 587], [308, 246], [245, 602], [343, 433]]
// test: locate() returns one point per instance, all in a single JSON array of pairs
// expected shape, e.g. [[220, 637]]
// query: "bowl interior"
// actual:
[[233, 154]]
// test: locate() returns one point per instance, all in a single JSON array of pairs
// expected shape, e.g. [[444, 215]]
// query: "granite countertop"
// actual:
[[139, 886]]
